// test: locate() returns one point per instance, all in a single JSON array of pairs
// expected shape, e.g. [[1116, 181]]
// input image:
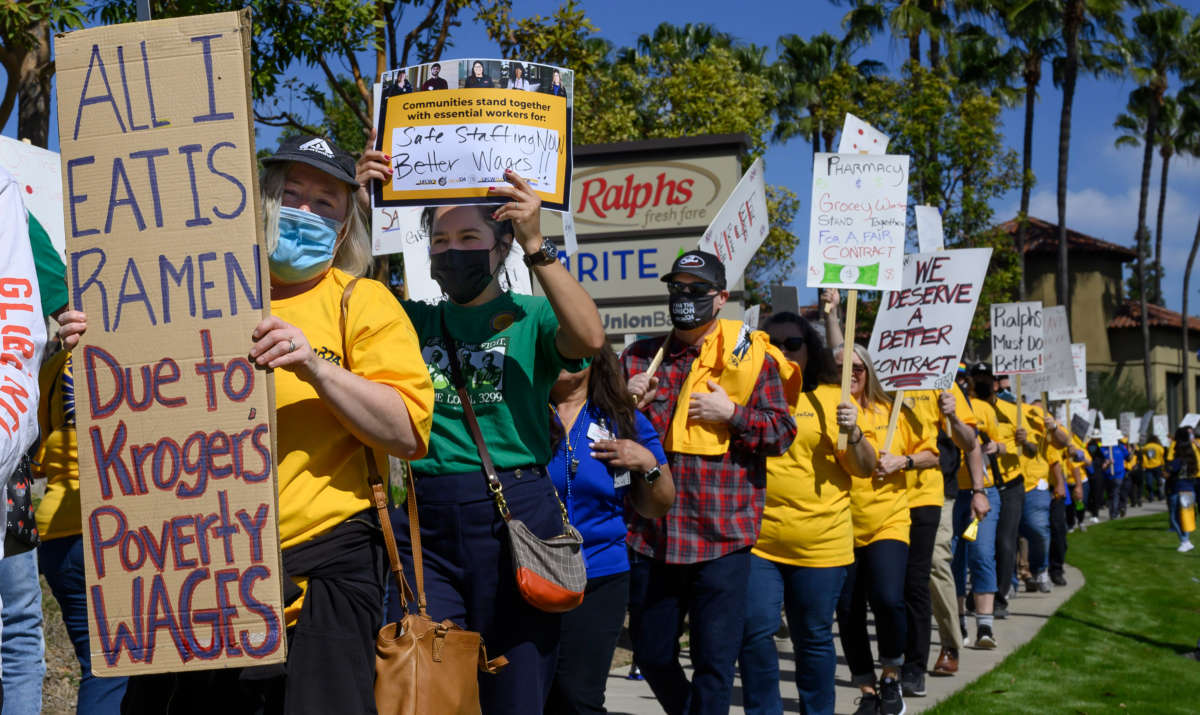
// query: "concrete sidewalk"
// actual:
[[1028, 612]]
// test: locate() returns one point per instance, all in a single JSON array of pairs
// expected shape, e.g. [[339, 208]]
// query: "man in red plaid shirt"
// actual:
[[718, 402]]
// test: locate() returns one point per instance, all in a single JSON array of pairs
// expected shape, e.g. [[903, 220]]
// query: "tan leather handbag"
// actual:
[[421, 667]]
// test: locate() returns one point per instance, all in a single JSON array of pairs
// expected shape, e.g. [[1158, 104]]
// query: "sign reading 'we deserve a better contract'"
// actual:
[[165, 255], [859, 218]]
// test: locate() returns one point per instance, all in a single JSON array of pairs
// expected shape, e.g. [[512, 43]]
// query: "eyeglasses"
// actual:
[[701, 288], [791, 344], [857, 368]]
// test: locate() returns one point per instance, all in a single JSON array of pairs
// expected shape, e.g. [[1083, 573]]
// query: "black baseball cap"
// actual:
[[319, 153], [700, 264], [981, 369]]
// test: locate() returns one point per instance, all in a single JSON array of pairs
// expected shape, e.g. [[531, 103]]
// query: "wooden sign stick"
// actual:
[[1020, 396], [897, 402], [655, 362], [847, 358]]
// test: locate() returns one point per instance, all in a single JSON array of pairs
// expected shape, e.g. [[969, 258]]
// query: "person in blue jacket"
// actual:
[[1113, 469], [608, 459]]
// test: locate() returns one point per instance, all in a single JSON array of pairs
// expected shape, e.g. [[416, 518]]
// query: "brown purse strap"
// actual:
[[379, 495]]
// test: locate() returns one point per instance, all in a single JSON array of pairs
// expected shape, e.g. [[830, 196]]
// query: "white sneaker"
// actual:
[[1185, 547], [1095, 520]]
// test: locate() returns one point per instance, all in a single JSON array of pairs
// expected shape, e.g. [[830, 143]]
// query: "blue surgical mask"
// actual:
[[305, 246]]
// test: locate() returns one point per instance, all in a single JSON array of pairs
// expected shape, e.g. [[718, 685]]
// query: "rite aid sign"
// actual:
[[637, 206]]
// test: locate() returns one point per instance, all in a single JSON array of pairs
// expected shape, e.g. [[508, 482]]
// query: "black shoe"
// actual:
[[868, 704], [891, 700], [913, 685], [1058, 579], [984, 639]]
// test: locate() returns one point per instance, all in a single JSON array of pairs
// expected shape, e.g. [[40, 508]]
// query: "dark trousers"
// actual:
[[1058, 535], [1154, 483], [1137, 485], [331, 649], [469, 577], [877, 577], [585, 651], [1012, 505], [1116, 497], [712, 595], [1096, 498], [917, 605]]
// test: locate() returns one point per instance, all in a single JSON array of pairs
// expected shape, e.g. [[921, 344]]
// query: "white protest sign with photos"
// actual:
[[921, 329], [859, 218], [1017, 338]]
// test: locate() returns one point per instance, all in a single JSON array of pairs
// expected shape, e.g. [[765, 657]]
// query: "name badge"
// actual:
[[595, 432]]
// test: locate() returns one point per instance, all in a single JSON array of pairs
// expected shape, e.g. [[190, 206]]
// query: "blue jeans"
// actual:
[[61, 562], [1116, 497], [810, 596], [712, 594], [1173, 514], [23, 648], [978, 556], [1035, 527]]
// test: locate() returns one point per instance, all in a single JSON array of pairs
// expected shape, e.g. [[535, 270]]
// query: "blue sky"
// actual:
[[1103, 181]]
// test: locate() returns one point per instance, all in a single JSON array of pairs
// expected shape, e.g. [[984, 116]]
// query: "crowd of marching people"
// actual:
[[720, 477]]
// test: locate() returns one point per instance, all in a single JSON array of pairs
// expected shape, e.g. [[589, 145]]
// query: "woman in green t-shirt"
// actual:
[[511, 349]]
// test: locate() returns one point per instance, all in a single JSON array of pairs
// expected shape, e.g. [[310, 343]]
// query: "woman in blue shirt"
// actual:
[[608, 459]]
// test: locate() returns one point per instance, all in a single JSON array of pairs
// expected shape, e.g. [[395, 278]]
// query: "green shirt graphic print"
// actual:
[[509, 362]]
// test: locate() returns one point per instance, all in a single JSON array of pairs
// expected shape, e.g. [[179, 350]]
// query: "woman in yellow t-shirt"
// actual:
[[1152, 464], [879, 511], [807, 539], [335, 394]]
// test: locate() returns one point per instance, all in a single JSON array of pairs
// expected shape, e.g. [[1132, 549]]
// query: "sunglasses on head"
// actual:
[[694, 289], [791, 344]]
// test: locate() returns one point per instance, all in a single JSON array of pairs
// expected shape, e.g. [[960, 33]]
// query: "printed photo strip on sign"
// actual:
[[920, 330], [1058, 367], [859, 218], [176, 427], [454, 127], [1017, 338], [741, 225]]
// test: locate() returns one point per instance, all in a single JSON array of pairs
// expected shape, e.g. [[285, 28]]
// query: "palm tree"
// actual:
[[1187, 279], [802, 66], [907, 19], [1083, 22], [1158, 46]]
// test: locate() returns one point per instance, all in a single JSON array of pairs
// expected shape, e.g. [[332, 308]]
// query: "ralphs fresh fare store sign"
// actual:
[[637, 205]]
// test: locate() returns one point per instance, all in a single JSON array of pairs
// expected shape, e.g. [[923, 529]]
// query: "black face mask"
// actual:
[[462, 275], [688, 312]]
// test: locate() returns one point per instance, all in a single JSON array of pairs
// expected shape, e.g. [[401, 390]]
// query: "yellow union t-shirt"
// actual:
[[806, 517], [879, 505], [322, 466], [1035, 469], [986, 424], [925, 487], [59, 513], [1152, 455]]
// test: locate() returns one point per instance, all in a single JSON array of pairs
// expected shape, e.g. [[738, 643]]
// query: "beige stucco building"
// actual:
[[1106, 321]]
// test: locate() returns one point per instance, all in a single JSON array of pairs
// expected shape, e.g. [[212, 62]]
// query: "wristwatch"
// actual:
[[979, 491], [652, 476], [544, 256], [908, 462]]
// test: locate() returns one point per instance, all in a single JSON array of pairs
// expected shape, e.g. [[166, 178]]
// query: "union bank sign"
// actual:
[[636, 206]]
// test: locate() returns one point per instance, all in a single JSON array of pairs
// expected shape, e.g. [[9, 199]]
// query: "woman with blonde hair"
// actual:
[[337, 394], [879, 511]]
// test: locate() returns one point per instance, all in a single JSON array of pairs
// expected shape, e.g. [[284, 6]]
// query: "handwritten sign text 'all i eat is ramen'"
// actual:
[[859, 216]]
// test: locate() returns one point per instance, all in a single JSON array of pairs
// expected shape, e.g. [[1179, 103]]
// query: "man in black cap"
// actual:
[[718, 401]]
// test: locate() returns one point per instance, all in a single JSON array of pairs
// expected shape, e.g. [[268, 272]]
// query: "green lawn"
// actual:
[[1116, 645]]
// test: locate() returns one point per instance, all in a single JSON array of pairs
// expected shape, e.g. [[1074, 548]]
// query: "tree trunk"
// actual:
[[1072, 19], [914, 48], [1143, 238], [33, 89], [1158, 238], [935, 50], [816, 142], [1187, 279], [1026, 182]]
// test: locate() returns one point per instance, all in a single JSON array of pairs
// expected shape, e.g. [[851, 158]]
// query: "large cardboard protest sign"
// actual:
[[1017, 338], [859, 217], [165, 255], [452, 128], [1079, 361], [1058, 367], [921, 329], [1161, 427], [741, 225]]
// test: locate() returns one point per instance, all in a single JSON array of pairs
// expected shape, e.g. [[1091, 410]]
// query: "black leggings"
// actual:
[[585, 651], [877, 575], [918, 607]]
